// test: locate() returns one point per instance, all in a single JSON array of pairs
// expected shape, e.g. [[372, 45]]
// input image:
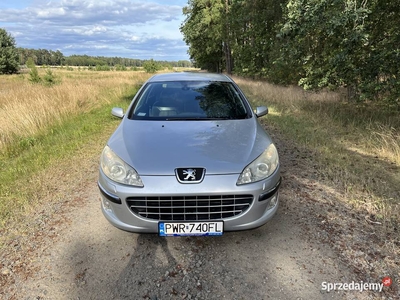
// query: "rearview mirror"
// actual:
[[117, 112], [261, 111]]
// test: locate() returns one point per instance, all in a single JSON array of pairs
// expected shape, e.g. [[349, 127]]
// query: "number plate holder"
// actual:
[[191, 228]]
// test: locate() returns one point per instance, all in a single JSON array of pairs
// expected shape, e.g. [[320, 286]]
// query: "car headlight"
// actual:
[[116, 169], [262, 167]]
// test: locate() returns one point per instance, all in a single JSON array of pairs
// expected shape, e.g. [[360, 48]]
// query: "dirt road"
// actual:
[[81, 256]]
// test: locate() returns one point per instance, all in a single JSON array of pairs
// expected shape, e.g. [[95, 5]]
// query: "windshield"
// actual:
[[188, 100]]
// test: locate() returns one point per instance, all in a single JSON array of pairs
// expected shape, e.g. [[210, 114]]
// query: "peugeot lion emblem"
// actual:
[[190, 175]]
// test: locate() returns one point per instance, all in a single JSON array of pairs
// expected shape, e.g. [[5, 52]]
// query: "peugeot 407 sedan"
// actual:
[[189, 158]]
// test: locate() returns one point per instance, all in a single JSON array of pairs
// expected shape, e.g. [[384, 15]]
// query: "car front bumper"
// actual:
[[116, 210]]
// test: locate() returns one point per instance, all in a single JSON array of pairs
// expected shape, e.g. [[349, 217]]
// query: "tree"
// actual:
[[34, 73], [8, 53], [315, 43], [49, 78], [336, 43], [236, 33], [203, 32], [327, 39], [380, 78], [253, 29]]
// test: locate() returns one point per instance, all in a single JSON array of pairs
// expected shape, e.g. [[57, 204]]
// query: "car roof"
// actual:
[[189, 76]]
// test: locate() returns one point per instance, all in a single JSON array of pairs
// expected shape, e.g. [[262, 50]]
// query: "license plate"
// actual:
[[190, 228]]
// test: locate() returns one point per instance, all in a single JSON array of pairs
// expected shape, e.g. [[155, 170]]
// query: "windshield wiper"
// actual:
[[184, 119], [196, 119]]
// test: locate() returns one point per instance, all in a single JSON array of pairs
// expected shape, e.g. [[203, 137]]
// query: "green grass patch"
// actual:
[[28, 156]]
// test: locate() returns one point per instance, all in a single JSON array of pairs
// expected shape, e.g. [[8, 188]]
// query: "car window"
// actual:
[[187, 100]]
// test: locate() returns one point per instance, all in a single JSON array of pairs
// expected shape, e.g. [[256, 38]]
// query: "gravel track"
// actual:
[[77, 254]]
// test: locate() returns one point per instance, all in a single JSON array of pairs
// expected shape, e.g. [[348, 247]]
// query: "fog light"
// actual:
[[272, 203], [107, 205]]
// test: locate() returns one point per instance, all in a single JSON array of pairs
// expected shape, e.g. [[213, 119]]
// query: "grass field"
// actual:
[[43, 127], [27, 109], [357, 147]]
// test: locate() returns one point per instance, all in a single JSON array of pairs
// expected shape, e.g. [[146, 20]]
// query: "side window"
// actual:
[[148, 97]]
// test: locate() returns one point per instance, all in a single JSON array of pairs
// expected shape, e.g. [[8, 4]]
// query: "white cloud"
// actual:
[[128, 27], [121, 12], [52, 12]]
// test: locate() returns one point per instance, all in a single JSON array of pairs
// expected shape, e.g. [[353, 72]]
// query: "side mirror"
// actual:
[[117, 112], [261, 111]]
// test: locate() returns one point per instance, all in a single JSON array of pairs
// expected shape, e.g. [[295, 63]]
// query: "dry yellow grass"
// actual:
[[290, 96], [378, 132], [74, 110], [26, 108]]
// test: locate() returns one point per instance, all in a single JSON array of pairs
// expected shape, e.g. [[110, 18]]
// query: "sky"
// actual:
[[124, 28]]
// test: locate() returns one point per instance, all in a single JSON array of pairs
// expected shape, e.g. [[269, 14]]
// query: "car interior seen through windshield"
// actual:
[[189, 100]]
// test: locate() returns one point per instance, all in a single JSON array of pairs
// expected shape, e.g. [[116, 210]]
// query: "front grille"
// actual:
[[190, 208]]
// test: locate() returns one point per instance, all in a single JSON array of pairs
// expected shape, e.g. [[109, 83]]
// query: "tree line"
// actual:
[[313, 43], [12, 57], [85, 60], [56, 58]]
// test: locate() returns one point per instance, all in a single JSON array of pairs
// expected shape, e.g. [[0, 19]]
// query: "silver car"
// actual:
[[189, 158]]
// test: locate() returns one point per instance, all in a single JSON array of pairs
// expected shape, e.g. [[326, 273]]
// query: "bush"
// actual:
[[120, 68], [102, 68], [151, 66]]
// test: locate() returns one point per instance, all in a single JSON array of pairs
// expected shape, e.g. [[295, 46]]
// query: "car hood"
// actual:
[[159, 147]]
